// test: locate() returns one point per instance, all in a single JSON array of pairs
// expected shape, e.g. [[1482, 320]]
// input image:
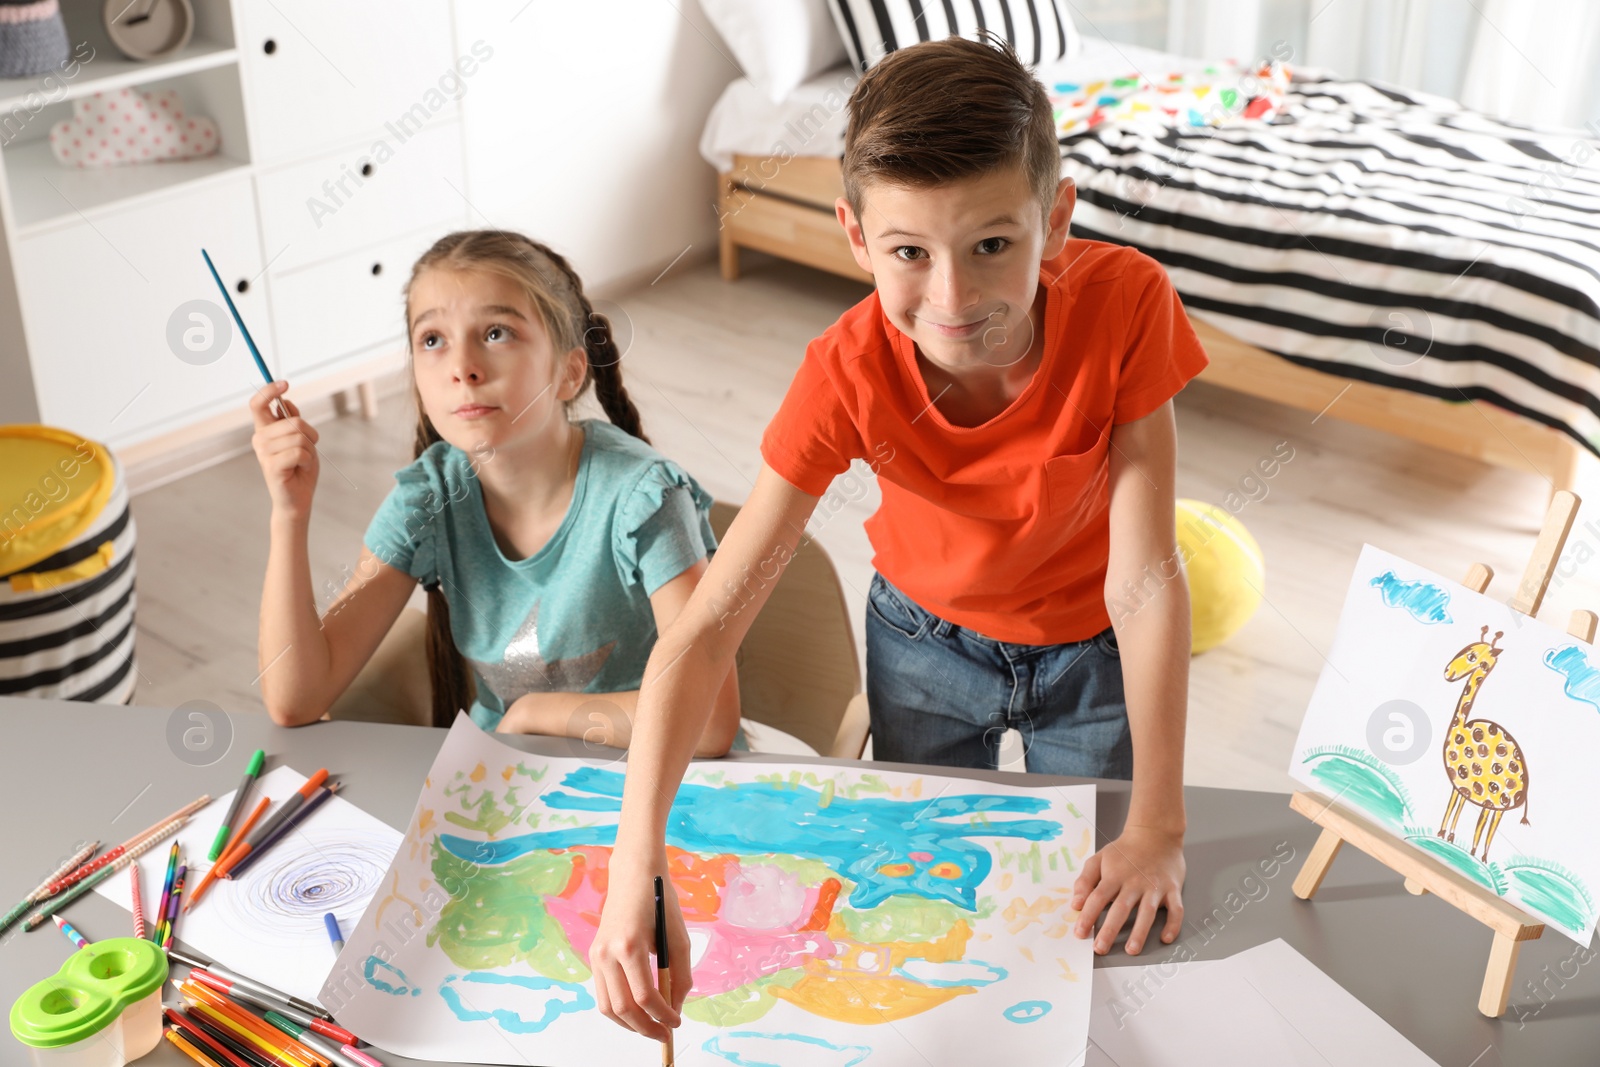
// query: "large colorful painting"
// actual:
[[1464, 728], [836, 916]]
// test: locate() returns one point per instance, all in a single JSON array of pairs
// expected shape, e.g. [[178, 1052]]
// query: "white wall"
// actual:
[[582, 127]]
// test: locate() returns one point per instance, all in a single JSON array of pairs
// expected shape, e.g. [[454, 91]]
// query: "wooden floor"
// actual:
[[708, 363]]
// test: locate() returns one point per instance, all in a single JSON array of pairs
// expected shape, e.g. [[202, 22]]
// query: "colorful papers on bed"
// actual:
[[268, 922], [1221, 93], [1268, 1006], [836, 915]]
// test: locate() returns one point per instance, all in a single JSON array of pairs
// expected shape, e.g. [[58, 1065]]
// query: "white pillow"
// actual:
[[779, 43], [1040, 30]]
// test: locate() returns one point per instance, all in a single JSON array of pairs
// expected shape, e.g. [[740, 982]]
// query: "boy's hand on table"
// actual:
[[1134, 875]]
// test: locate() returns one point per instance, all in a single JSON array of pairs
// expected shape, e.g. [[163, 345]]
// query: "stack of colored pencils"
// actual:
[[230, 1021], [80, 873]]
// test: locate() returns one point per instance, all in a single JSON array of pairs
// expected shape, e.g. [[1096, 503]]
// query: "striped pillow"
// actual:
[[1040, 30]]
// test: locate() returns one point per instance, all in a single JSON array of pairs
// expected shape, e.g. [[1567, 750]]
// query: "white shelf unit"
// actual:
[[340, 162]]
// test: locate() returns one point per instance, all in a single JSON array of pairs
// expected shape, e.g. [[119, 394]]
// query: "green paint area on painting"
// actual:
[[1360, 779], [908, 919], [496, 915], [1553, 891], [1458, 859]]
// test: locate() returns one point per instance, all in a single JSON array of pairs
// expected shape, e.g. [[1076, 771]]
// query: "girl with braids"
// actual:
[[553, 551]]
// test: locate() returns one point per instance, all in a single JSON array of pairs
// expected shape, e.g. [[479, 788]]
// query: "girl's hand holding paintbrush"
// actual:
[[286, 449]]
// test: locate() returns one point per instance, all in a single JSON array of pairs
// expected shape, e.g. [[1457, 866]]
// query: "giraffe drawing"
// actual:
[[1484, 764]]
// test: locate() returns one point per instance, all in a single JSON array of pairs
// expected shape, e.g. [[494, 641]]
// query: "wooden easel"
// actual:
[[1422, 873]]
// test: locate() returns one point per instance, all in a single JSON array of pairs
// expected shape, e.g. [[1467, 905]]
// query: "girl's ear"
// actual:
[[574, 366]]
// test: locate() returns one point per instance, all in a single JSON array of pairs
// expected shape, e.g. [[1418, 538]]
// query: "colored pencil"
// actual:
[[255, 1030], [172, 908], [50, 907], [264, 1050], [318, 797], [223, 831], [87, 869], [77, 939], [279, 817], [166, 894], [220, 1034], [238, 836], [231, 1038], [189, 959], [218, 1049], [189, 1050], [663, 974], [138, 902], [39, 893], [273, 1003]]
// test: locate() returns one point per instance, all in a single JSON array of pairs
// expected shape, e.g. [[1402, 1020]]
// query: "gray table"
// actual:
[[73, 771]]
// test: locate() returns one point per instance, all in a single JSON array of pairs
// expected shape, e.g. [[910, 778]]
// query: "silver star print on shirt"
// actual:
[[523, 670]]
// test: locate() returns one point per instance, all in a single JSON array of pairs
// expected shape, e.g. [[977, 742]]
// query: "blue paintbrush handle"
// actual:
[[255, 353]]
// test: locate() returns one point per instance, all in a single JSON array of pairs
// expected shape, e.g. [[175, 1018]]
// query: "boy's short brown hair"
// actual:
[[941, 111]]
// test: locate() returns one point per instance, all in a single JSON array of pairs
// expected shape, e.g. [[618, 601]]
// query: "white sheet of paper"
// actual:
[[813, 937], [1383, 723], [1267, 1006], [267, 924]]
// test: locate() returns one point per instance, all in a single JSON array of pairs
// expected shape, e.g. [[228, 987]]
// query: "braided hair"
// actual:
[[557, 295]]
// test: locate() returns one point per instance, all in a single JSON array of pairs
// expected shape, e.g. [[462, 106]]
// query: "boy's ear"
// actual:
[[1055, 237], [852, 230]]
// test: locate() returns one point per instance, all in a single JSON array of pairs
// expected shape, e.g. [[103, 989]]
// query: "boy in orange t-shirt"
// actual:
[[1012, 390]]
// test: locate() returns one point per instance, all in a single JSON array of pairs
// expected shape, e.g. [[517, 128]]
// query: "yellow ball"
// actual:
[[1226, 571]]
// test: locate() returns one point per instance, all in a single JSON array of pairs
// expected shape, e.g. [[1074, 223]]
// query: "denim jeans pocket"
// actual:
[[895, 611], [1107, 640]]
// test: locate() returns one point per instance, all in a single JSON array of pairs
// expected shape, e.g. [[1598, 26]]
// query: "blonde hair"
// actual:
[[556, 293]]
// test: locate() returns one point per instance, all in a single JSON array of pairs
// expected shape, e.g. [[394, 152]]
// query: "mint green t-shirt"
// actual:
[[575, 616]]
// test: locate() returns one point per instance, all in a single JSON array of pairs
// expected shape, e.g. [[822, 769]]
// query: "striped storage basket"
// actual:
[[66, 568]]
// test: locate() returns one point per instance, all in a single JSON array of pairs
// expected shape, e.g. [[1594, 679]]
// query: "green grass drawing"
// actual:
[[1356, 776], [1556, 892], [1457, 858]]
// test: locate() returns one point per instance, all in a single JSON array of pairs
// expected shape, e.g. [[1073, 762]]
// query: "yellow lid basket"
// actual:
[[66, 568]]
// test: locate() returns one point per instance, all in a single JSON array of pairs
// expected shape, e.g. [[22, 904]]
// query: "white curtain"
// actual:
[[1529, 61], [1535, 61]]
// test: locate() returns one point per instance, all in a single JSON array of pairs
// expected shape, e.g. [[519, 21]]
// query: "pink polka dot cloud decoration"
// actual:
[[129, 126]]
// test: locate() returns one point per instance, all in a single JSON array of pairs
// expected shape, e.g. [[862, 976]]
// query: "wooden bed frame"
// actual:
[[791, 215]]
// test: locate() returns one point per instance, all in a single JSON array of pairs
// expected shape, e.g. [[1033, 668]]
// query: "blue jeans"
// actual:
[[942, 694]]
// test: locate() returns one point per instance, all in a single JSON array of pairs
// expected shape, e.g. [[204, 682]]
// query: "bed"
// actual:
[[1386, 258]]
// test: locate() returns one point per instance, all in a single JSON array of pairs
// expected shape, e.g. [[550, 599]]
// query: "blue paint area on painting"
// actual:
[[370, 970], [974, 973], [1028, 1011], [1583, 678], [1425, 601], [886, 847], [513, 1020], [739, 1056]]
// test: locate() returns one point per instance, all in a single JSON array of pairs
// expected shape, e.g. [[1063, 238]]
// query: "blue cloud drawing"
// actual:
[[527, 1004], [1424, 600], [1583, 677], [751, 1048]]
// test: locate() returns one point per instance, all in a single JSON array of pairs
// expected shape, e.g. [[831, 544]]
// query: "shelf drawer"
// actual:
[[341, 306], [310, 89], [99, 299], [347, 200]]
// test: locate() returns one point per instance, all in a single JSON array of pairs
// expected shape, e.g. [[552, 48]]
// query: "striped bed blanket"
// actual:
[[1391, 237]]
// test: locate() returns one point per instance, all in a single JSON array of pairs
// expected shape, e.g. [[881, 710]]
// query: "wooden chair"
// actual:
[[798, 668]]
